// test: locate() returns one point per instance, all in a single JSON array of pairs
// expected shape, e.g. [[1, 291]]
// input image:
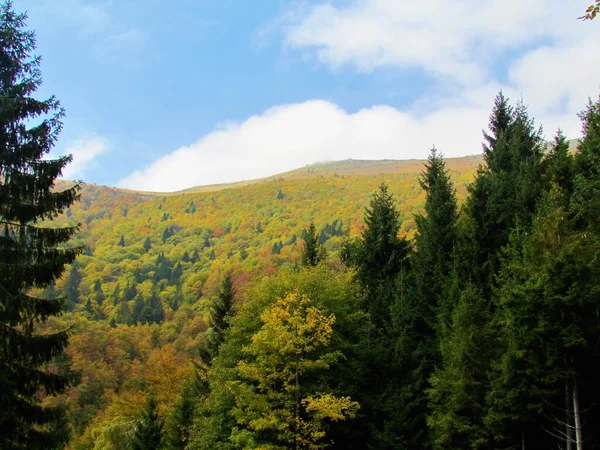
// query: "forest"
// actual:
[[439, 304]]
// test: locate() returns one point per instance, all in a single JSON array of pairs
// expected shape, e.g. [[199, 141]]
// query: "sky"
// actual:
[[163, 95]]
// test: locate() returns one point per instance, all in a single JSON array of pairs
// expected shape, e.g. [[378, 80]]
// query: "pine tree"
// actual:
[[122, 241], [220, 314], [313, 252], [147, 244], [31, 256], [149, 431]]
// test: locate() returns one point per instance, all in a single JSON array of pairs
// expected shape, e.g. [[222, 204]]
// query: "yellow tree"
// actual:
[[273, 409]]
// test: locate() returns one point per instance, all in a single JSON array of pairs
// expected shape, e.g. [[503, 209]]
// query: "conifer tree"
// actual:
[[149, 431], [181, 419], [457, 395], [427, 300], [31, 256], [378, 256], [505, 191], [220, 314], [147, 244], [99, 294], [73, 282], [379, 259], [313, 252]]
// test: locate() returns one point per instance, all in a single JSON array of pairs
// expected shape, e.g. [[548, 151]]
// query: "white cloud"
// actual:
[[455, 40], [85, 151], [291, 136], [546, 57]]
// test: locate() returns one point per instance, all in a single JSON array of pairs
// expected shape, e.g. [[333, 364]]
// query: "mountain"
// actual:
[[138, 297]]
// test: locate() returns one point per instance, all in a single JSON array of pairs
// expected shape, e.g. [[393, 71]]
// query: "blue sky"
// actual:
[[163, 95]]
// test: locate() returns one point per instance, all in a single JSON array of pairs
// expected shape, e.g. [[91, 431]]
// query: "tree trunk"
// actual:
[[297, 412], [577, 416], [568, 431]]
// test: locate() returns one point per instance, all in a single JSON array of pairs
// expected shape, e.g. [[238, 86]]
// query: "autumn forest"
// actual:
[[439, 304]]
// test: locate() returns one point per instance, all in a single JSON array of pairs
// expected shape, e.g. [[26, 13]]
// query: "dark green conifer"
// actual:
[[149, 430], [220, 314], [427, 297], [99, 294], [31, 256], [147, 244], [313, 252], [378, 256], [73, 282]]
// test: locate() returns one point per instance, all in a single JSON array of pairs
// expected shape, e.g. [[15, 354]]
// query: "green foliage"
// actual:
[[149, 430], [181, 419], [378, 255], [331, 293], [505, 191], [270, 397], [313, 252], [457, 393], [423, 313], [32, 254], [220, 316]]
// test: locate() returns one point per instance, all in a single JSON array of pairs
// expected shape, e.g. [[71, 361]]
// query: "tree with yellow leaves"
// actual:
[[273, 409]]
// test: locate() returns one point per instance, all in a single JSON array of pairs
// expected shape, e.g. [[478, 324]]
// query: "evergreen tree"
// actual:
[[116, 294], [313, 252], [427, 300], [547, 308], [186, 257], [378, 256], [457, 394], [181, 419], [379, 259], [220, 314], [122, 241], [505, 191], [149, 431], [99, 294], [147, 244], [31, 256], [73, 282]]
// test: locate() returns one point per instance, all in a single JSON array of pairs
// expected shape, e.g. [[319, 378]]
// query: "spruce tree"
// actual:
[[31, 255], [149, 431], [181, 419], [427, 298], [220, 313], [313, 252], [505, 191], [73, 282], [378, 256]]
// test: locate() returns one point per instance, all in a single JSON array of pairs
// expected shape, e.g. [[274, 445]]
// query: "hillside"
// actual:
[[139, 294], [211, 230]]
